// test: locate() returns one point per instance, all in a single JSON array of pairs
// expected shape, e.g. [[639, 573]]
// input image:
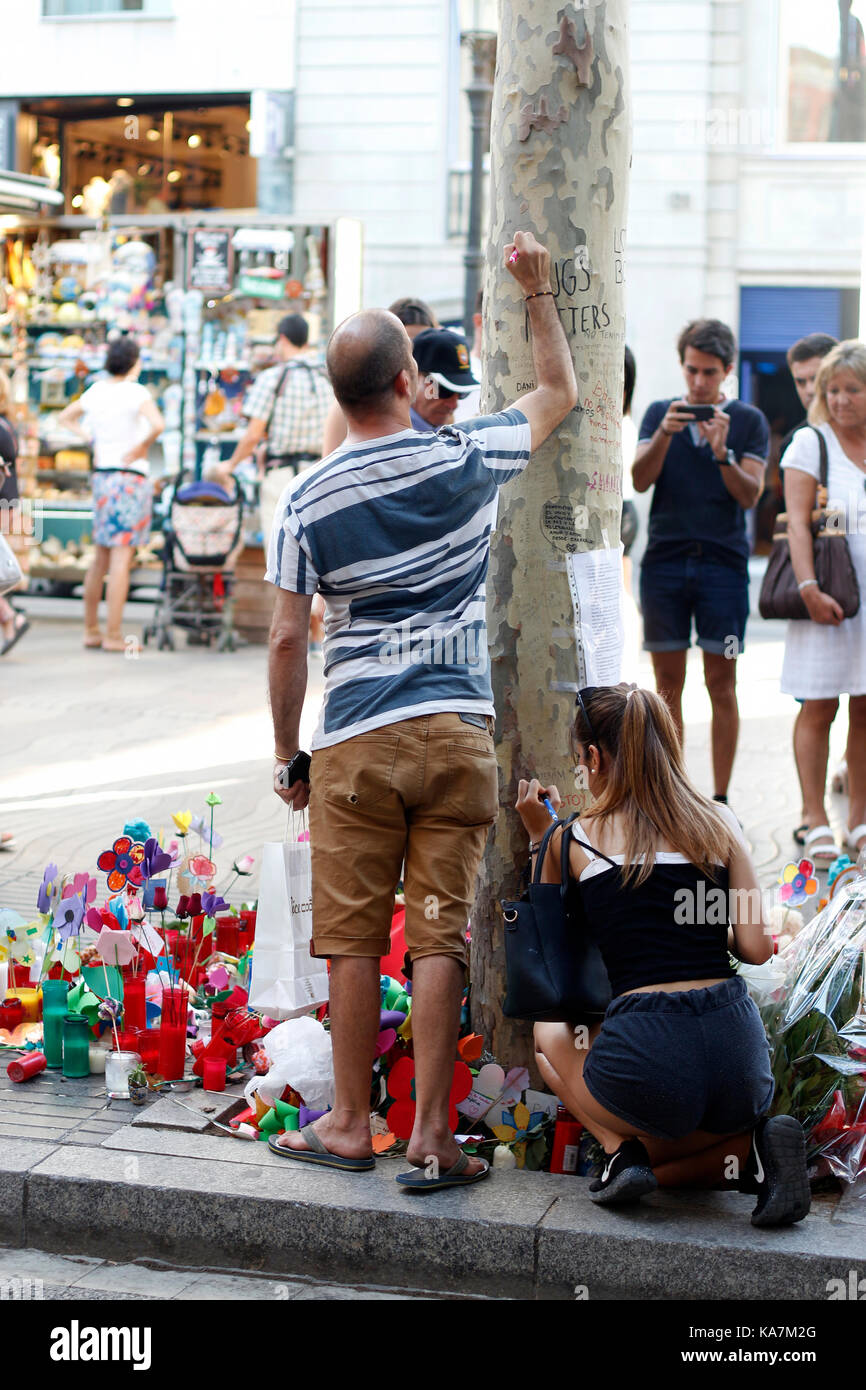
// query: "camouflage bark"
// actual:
[[560, 155]]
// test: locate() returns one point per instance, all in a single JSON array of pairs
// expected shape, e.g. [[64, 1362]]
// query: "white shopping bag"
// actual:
[[10, 570], [286, 980]]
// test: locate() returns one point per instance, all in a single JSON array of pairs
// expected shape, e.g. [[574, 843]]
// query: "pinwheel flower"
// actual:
[[520, 1133], [155, 859], [401, 1085], [83, 885], [119, 862], [69, 917], [48, 888], [798, 882]]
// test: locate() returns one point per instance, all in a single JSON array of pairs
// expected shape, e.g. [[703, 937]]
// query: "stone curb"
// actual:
[[209, 1201]]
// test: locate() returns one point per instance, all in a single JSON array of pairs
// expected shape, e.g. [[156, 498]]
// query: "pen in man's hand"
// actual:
[[546, 801]]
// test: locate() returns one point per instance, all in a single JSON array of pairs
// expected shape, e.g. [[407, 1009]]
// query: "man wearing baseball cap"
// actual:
[[444, 375]]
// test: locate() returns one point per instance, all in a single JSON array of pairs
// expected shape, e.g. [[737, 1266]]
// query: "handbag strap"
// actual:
[[822, 449], [279, 391], [542, 848]]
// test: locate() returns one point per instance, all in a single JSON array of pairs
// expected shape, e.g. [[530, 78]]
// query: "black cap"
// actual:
[[444, 356]]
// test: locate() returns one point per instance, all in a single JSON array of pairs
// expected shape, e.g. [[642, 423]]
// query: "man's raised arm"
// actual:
[[556, 391]]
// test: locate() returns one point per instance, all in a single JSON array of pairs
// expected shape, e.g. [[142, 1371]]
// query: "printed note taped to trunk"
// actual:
[[595, 580]]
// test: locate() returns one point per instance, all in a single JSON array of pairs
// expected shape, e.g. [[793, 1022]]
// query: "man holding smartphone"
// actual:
[[706, 457], [393, 528]]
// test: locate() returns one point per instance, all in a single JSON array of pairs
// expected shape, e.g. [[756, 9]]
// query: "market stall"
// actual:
[[202, 294]]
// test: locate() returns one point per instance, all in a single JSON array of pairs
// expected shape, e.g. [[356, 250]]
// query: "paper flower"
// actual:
[[118, 862], [137, 830], [213, 800], [155, 859], [109, 1010], [81, 1000], [199, 826], [798, 883], [212, 903], [244, 866], [174, 852], [401, 1085], [519, 1134], [48, 888], [69, 917], [201, 867], [182, 820], [134, 909], [160, 898], [83, 885], [116, 947]]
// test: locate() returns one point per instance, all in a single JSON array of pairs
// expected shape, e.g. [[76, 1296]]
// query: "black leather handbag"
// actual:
[[554, 969], [834, 569]]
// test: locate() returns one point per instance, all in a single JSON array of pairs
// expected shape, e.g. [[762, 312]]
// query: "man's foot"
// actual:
[[626, 1177], [776, 1171], [344, 1141], [16, 627], [92, 638], [439, 1150]]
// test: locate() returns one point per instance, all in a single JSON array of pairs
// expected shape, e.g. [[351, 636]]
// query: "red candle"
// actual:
[[34, 1062], [214, 1073], [147, 1046], [134, 1004], [227, 933], [172, 1033], [11, 1012], [128, 1040]]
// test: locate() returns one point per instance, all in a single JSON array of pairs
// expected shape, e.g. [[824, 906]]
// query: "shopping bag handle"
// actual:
[[290, 822]]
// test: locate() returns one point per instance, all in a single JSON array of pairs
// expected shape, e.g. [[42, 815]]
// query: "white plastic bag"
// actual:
[[299, 1052], [10, 570], [286, 980]]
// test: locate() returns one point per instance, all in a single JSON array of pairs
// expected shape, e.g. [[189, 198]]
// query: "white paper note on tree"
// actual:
[[595, 580]]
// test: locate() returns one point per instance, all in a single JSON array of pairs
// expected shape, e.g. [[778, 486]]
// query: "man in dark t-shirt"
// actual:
[[707, 473]]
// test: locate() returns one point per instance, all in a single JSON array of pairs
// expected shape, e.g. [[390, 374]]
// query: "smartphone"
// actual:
[[698, 412], [298, 770]]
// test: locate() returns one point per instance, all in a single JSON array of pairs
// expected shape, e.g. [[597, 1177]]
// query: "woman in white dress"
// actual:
[[825, 657]]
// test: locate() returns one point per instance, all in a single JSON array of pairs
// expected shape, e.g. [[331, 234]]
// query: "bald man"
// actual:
[[393, 529]]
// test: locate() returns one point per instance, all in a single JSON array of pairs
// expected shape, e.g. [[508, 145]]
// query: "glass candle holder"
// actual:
[[172, 1033], [148, 1048], [54, 993], [227, 934], [214, 1073], [76, 1045], [118, 1066], [134, 1005]]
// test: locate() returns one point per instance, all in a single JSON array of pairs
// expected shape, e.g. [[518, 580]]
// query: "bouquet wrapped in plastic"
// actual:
[[815, 1016]]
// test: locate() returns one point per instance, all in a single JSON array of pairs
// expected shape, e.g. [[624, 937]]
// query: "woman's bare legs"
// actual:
[[119, 568], [700, 1159], [93, 583]]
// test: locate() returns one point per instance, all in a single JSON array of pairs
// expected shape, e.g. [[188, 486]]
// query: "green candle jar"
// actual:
[[54, 994], [76, 1045]]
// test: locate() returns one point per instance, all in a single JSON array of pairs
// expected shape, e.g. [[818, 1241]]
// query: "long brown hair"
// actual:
[[647, 783]]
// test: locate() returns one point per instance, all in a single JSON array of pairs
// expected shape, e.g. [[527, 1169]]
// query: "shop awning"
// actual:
[[25, 193]]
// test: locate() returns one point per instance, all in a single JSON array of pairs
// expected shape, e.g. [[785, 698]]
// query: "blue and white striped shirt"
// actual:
[[395, 535]]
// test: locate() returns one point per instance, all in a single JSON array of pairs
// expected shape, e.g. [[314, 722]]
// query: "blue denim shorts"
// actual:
[[673, 1063], [674, 591]]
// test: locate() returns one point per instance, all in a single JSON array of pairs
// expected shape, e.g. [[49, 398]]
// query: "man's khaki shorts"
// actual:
[[423, 790]]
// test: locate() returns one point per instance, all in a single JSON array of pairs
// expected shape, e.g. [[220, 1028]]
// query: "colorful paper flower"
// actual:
[[797, 883], [69, 917], [523, 1128], [401, 1085], [109, 1010], [116, 947], [244, 866], [119, 862], [213, 800], [48, 888], [137, 830], [182, 820], [201, 867]]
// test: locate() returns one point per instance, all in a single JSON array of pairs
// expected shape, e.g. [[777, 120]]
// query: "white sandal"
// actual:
[[852, 836], [820, 847]]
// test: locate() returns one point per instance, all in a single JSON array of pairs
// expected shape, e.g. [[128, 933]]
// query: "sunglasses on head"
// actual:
[[587, 690]]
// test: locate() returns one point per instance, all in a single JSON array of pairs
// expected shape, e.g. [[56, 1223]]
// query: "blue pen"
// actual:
[[549, 804]]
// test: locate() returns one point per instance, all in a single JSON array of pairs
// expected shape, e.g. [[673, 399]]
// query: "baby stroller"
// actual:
[[202, 541]]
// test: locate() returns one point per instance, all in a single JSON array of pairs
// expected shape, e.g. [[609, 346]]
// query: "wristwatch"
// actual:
[[730, 457]]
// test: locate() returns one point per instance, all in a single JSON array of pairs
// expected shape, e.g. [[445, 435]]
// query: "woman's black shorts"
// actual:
[[673, 1063]]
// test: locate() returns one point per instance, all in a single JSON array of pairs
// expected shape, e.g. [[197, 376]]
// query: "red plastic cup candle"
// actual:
[[134, 1004], [214, 1073], [11, 1012], [148, 1048], [29, 1065], [227, 934]]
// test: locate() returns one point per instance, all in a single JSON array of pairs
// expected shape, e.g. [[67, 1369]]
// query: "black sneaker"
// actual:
[[776, 1171], [626, 1176]]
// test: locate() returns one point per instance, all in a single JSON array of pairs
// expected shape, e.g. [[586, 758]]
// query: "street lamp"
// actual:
[[481, 43]]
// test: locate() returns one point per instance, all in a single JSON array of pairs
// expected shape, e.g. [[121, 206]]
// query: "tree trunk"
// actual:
[[560, 154]]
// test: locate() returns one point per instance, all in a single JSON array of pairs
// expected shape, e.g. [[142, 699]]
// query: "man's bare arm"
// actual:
[[556, 391], [287, 681]]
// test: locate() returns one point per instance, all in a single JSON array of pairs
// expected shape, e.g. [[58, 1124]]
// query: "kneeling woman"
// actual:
[[676, 1082]]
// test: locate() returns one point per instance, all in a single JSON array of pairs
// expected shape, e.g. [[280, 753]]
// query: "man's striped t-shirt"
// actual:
[[395, 534]]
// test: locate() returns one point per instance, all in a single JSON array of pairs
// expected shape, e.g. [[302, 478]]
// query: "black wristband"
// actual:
[[538, 294]]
